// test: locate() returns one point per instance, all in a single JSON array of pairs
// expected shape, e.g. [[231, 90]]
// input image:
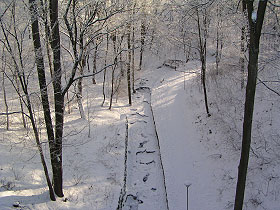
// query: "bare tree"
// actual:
[[42, 80], [202, 43], [3, 67], [16, 55], [255, 19], [117, 51], [76, 34]]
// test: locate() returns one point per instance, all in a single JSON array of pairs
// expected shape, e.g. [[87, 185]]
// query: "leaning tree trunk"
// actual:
[[203, 78], [255, 33], [20, 103], [42, 80], [39, 146]]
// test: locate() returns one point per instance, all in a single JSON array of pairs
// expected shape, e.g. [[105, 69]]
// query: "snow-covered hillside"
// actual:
[[194, 148], [139, 105]]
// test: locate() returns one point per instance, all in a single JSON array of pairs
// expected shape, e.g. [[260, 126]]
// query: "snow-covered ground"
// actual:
[[193, 149], [185, 158], [145, 181]]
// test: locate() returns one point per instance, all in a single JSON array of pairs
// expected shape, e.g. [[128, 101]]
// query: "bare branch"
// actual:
[[262, 82], [273, 4], [5, 10], [11, 113]]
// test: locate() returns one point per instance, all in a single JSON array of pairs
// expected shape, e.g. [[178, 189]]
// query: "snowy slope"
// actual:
[[193, 149]]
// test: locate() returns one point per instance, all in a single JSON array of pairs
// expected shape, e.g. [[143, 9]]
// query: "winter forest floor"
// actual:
[[165, 135]]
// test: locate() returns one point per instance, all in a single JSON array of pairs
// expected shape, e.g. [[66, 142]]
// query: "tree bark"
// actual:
[[114, 38], [80, 88], [255, 27], [218, 40], [58, 97], [128, 64], [5, 98], [42, 78], [142, 43], [143, 34], [202, 52], [39, 146], [242, 47], [133, 51], [20, 102], [104, 74], [94, 68]]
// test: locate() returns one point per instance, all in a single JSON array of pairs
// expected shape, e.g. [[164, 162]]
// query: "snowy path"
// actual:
[[184, 157], [145, 187]]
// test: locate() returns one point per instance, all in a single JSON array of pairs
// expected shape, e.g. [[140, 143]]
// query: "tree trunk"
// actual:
[[121, 65], [105, 64], [218, 41], [80, 98], [94, 62], [112, 86], [113, 71], [133, 52], [255, 33], [5, 100], [20, 102], [80, 89], [44, 8], [42, 79], [128, 64], [52, 196], [142, 39], [202, 52], [58, 97], [203, 78], [242, 47], [187, 51], [142, 34]]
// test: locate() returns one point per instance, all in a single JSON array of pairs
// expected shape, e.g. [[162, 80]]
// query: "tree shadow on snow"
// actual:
[[21, 201]]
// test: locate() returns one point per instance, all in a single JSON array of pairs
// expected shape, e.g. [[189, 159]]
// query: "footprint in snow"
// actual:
[[132, 202], [145, 178], [142, 143]]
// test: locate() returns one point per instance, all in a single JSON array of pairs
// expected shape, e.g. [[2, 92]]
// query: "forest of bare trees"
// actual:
[[50, 49]]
